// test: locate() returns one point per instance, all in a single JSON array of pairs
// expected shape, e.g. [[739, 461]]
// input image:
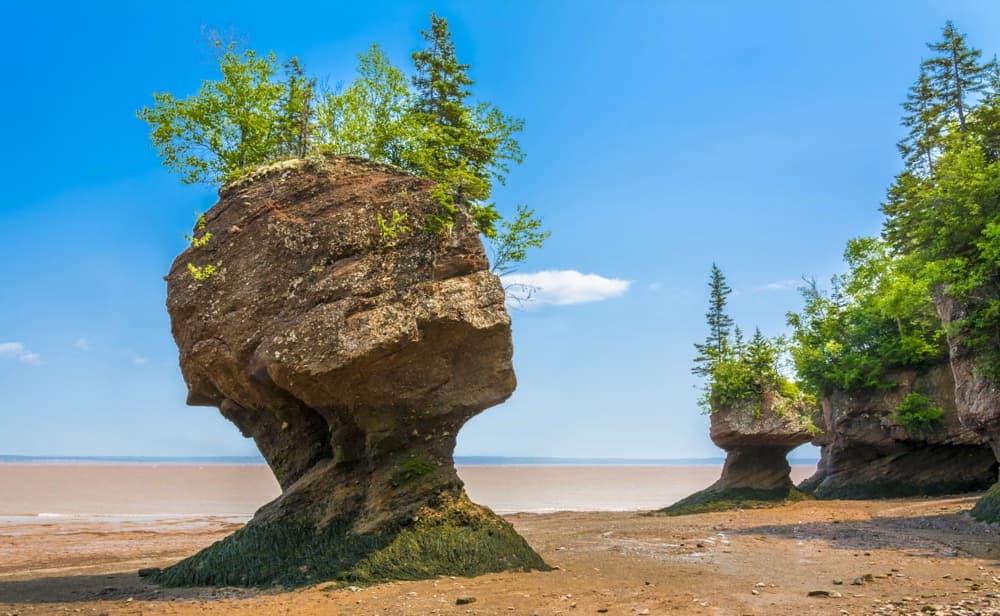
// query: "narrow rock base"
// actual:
[[721, 499], [752, 478], [451, 537]]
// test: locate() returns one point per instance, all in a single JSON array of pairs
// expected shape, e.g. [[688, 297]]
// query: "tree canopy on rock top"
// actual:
[[261, 112]]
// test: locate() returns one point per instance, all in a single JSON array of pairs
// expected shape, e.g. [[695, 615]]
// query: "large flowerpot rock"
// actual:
[[757, 437], [868, 453], [351, 346]]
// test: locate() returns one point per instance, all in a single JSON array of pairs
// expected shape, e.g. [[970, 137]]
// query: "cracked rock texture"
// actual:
[[352, 357], [867, 453], [977, 398], [757, 439]]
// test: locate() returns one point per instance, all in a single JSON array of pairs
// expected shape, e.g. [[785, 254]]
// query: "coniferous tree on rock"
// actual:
[[757, 415], [342, 311]]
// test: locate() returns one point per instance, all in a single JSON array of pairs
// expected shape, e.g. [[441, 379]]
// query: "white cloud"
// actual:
[[780, 285], [566, 287], [82, 343], [11, 348], [139, 360], [18, 351]]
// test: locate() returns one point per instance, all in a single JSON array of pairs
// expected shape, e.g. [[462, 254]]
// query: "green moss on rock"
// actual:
[[413, 467], [456, 537], [987, 509], [711, 500]]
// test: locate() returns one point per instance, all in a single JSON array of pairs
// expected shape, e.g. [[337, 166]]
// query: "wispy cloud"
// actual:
[[18, 351], [139, 360], [780, 285], [566, 287], [82, 343], [655, 287]]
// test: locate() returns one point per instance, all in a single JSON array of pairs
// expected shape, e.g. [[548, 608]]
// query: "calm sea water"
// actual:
[[63, 489]]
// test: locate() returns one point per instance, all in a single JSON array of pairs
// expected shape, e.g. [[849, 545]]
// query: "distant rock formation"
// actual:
[[757, 439], [977, 399], [352, 347], [867, 453]]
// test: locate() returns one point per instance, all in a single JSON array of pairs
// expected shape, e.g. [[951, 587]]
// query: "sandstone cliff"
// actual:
[[352, 347], [977, 399], [757, 438], [868, 453]]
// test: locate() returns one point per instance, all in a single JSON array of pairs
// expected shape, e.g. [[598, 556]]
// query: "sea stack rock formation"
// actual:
[[351, 346], [977, 399], [757, 439], [868, 453]]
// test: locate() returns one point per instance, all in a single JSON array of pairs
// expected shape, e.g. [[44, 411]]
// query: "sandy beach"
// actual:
[[907, 556]]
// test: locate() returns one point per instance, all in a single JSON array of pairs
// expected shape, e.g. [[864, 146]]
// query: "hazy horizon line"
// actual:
[[472, 460]]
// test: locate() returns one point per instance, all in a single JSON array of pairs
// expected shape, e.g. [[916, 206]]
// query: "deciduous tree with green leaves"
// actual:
[[247, 118], [878, 317], [255, 115], [371, 117]]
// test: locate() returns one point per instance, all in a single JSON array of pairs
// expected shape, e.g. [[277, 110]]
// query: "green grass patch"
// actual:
[[456, 537]]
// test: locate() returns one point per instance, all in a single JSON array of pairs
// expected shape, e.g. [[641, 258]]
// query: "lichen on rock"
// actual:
[[353, 365]]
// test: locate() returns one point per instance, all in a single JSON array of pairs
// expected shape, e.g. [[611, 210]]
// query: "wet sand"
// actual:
[[73, 536], [909, 556], [170, 490]]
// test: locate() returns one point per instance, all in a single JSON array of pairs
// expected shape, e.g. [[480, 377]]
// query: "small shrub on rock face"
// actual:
[[202, 274], [918, 412], [392, 229]]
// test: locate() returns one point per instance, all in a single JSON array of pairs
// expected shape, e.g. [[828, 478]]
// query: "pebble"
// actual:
[[465, 600]]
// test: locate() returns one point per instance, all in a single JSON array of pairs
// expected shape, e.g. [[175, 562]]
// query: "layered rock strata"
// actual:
[[977, 398], [757, 438], [351, 346], [867, 452]]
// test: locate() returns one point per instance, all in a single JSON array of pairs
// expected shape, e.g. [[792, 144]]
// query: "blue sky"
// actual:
[[661, 136]]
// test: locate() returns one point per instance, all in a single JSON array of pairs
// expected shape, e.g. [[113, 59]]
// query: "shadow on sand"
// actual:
[[116, 587], [948, 534]]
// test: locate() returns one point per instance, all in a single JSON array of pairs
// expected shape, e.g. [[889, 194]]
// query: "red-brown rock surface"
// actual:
[[352, 357], [757, 438], [868, 453]]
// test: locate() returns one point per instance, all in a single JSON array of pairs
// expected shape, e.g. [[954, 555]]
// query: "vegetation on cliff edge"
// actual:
[[735, 370], [261, 111]]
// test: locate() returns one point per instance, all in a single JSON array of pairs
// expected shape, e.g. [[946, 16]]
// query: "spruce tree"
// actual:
[[464, 147], [917, 148], [720, 324], [955, 73]]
